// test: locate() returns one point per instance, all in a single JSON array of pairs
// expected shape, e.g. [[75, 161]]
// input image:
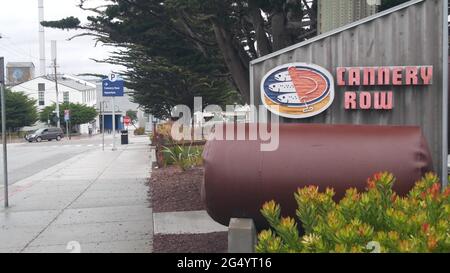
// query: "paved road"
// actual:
[[26, 159]]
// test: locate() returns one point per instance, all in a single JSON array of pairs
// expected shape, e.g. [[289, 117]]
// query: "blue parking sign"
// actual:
[[112, 87]]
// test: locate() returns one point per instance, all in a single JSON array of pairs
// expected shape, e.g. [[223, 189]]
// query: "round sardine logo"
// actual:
[[297, 90]]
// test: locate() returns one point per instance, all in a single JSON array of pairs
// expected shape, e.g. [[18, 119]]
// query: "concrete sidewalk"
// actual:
[[96, 200]]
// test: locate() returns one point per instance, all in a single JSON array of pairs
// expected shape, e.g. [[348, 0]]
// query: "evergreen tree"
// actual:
[[20, 110], [188, 44], [79, 113]]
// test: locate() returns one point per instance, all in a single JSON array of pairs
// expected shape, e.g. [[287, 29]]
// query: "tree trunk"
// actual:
[[264, 46], [233, 61], [281, 35]]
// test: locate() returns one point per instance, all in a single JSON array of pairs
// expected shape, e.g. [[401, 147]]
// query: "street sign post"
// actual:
[[5, 150], [66, 115], [67, 120], [113, 87], [102, 111]]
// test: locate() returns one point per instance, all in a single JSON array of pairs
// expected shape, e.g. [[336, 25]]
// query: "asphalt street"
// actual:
[[26, 159]]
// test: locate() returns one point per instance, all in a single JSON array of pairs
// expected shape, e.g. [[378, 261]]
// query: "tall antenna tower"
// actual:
[[42, 66]]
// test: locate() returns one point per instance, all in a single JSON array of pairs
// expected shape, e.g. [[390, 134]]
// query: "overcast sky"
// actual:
[[19, 28]]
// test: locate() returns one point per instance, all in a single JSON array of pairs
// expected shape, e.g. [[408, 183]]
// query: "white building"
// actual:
[[333, 14], [70, 89]]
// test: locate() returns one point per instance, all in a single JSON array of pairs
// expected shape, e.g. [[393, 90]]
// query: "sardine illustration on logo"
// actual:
[[297, 90]]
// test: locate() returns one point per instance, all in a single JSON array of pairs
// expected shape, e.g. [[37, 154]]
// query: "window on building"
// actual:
[[66, 97], [41, 93], [41, 98]]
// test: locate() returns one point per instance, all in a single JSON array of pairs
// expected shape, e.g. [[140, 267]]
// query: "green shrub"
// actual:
[[418, 222], [185, 157], [139, 131]]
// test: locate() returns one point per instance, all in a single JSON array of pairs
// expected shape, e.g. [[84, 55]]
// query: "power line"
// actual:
[[16, 52], [11, 51], [18, 49]]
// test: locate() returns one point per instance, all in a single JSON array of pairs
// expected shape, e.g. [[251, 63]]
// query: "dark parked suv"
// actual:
[[45, 134]]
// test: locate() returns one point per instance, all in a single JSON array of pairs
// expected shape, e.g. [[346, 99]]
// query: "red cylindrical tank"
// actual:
[[239, 177]]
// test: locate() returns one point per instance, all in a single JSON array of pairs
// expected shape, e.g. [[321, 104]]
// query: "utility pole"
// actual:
[[58, 123], [5, 149]]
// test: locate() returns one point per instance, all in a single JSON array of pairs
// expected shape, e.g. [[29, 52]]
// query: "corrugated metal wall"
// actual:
[[410, 36]]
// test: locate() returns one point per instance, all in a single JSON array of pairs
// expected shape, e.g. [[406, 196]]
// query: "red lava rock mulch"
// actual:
[[190, 243], [174, 190]]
